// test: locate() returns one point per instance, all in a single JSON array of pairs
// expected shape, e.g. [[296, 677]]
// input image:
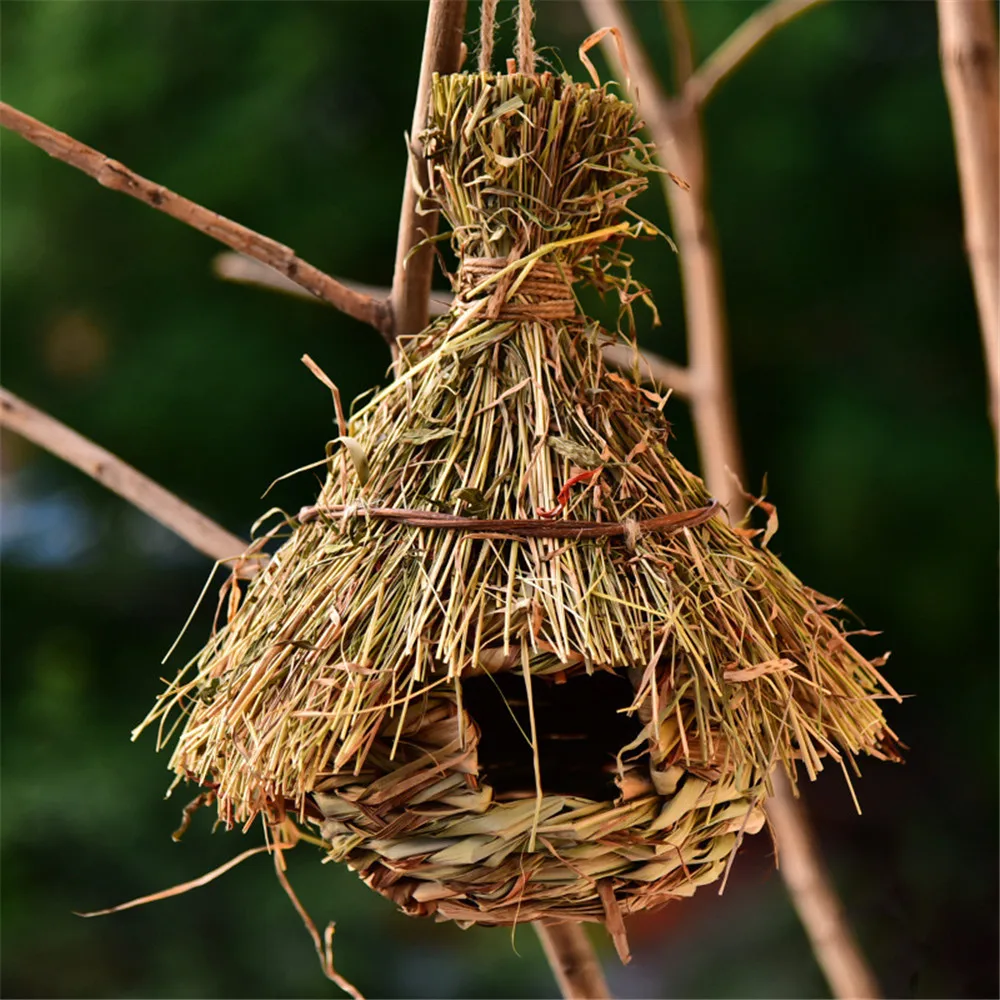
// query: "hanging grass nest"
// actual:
[[514, 664]]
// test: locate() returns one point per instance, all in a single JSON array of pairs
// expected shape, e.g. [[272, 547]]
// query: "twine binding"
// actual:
[[539, 292], [631, 529]]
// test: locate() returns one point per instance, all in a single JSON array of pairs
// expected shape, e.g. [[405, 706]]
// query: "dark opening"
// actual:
[[579, 727]]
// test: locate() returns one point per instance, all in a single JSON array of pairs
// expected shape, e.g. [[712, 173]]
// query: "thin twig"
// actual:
[[199, 531], [116, 176], [324, 944], [573, 960], [649, 366], [757, 28], [969, 64], [815, 898], [246, 271], [681, 43], [231, 266], [414, 268], [179, 890], [676, 129]]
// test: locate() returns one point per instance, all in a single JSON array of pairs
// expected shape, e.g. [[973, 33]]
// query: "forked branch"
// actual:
[[681, 42], [676, 129], [199, 531], [116, 176], [649, 367], [245, 270], [757, 28]]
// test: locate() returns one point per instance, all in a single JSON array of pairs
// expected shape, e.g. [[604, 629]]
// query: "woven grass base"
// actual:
[[446, 847]]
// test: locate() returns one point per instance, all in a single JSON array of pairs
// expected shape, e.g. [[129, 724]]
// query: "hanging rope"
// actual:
[[525, 43], [487, 31]]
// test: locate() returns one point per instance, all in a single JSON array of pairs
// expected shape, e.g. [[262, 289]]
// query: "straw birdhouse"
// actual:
[[515, 664]]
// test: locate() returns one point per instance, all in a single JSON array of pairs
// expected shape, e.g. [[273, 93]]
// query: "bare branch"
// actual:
[[759, 26], [650, 368], [114, 175], [573, 961], [969, 65], [411, 279], [197, 530], [681, 43], [247, 271], [815, 898], [676, 128]]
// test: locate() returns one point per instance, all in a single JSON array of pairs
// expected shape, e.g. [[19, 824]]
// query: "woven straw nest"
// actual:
[[515, 664]]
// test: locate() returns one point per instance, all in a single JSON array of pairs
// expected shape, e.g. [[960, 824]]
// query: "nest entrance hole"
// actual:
[[579, 724]]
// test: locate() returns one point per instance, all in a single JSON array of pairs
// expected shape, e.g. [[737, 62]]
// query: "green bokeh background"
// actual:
[[860, 392]]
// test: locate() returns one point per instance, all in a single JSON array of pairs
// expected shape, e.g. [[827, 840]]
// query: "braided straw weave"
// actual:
[[490, 708]]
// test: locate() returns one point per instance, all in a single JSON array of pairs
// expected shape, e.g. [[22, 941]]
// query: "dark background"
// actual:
[[860, 392]]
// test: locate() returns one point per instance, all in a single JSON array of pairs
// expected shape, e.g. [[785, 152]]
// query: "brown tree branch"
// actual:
[[197, 530], [414, 268], [231, 266], [573, 960], [116, 176], [757, 28], [676, 128], [681, 42], [816, 900], [969, 64], [651, 367], [246, 271]]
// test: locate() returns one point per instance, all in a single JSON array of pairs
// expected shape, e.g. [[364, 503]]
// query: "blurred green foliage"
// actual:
[[860, 391]]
